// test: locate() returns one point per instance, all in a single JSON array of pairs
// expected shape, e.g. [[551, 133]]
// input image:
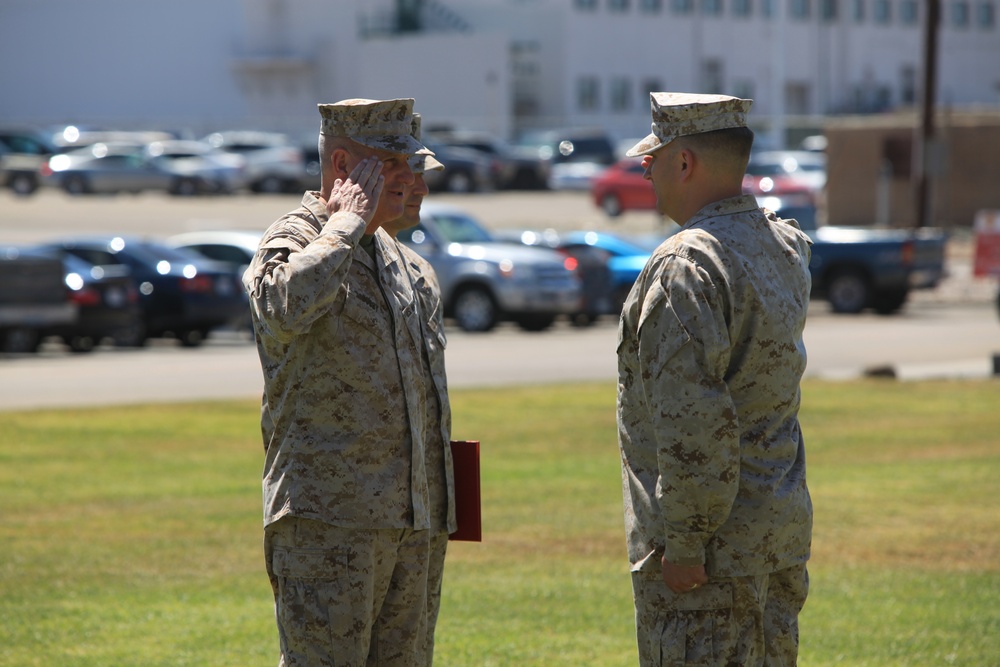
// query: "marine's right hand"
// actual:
[[360, 193]]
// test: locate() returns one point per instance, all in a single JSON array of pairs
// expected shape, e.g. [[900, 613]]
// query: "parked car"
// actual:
[[181, 294], [621, 258], [23, 153], [113, 168], [32, 298], [273, 162], [591, 265], [855, 268], [465, 170], [107, 306], [484, 280], [213, 170], [778, 173], [567, 157], [510, 169], [232, 248], [621, 187]]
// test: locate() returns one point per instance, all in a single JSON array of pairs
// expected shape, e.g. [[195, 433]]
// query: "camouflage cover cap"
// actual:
[[384, 124], [424, 160], [680, 114]]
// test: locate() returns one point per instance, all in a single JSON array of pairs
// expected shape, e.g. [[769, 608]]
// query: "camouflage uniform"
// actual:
[[710, 357], [355, 472], [438, 424]]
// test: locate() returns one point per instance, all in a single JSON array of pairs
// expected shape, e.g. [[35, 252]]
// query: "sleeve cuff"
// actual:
[[687, 549], [348, 225]]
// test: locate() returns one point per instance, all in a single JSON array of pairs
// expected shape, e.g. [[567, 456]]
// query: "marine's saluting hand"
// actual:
[[360, 192]]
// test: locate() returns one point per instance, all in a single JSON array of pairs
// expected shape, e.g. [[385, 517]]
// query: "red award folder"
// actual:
[[468, 508]]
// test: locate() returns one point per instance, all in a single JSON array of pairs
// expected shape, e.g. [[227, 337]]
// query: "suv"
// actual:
[[568, 158], [22, 156], [484, 280], [273, 163], [33, 298], [511, 170]]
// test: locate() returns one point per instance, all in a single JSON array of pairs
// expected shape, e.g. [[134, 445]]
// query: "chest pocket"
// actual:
[[366, 312]]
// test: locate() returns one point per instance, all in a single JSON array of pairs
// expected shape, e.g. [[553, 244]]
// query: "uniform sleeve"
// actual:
[[684, 353], [294, 280]]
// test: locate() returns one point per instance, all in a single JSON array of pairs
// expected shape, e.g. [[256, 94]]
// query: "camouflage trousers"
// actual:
[[345, 597], [728, 622]]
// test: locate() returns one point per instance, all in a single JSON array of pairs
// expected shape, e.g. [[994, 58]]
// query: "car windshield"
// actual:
[[458, 228]]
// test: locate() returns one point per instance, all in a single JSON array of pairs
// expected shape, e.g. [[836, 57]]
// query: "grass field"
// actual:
[[131, 536]]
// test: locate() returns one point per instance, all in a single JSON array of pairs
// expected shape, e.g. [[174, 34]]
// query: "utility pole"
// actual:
[[926, 136]]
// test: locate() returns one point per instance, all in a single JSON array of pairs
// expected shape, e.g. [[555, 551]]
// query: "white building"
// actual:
[[499, 65]]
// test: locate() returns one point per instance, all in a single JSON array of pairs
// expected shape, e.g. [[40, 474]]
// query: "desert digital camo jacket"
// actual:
[[341, 339], [710, 357], [437, 423]]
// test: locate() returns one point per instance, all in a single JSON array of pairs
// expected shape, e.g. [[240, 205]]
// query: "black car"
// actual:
[[107, 306], [181, 294]]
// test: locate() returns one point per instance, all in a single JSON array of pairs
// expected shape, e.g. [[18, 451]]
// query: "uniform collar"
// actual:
[[730, 206]]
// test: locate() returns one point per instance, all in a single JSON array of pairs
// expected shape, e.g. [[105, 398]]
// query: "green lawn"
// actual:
[[131, 536]]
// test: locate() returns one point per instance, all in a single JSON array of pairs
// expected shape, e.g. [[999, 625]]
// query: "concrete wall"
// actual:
[[965, 169]]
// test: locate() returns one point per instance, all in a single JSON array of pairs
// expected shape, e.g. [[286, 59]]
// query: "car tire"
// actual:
[[192, 337], [80, 344], [20, 340], [475, 310], [460, 182], [889, 302], [76, 184], [536, 322], [130, 336], [270, 185], [611, 205], [22, 185], [185, 187], [848, 291]]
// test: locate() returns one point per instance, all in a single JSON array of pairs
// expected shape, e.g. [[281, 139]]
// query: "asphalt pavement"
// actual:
[[952, 331]]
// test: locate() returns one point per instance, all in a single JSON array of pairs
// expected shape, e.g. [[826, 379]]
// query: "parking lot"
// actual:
[[952, 331]]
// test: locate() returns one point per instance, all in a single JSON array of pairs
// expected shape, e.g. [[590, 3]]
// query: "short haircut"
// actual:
[[737, 141]]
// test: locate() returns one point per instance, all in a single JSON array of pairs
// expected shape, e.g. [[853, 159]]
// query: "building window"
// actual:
[[767, 8], [858, 11], [742, 8], [909, 12], [828, 10], [585, 5], [908, 85], [587, 93], [620, 94], [711, 7], [743, 88], [711, 76], [618, 6], [960, 14], [651, 6], [650, 85], [683, 6], [797, 98], [883, 12], [986, 15], [800, 9]]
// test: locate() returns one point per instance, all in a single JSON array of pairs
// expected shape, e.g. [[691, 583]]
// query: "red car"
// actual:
[[621, 187]]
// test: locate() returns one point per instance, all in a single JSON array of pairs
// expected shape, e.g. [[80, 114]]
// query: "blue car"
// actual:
[[607, 263], [624, 259]]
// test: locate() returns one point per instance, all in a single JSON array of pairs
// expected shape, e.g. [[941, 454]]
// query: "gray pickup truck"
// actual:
[[855, 268], [33, 298], [484, 281]]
